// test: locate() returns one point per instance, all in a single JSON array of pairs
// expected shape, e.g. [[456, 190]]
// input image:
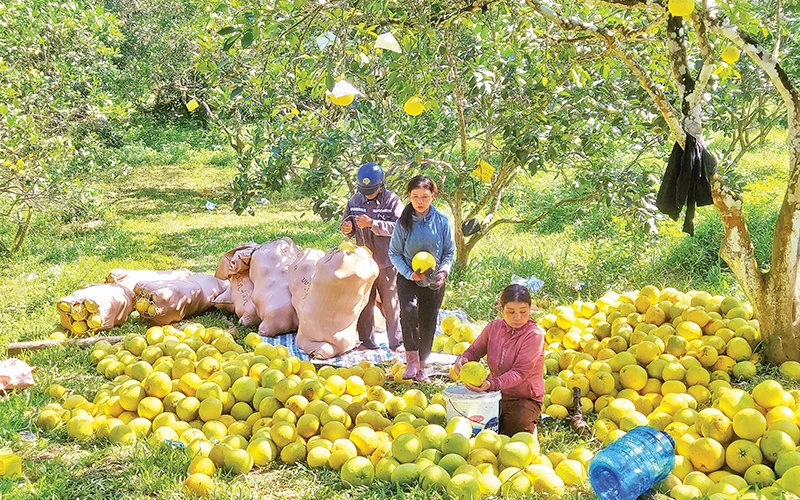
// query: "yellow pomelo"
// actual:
[[357, 471], [775, 442], [707, 455], [473, 373], [464, 487], [293, 453], [199, 484], [344, 100], [405, 474], [406, 448], [238, 461], [450, 322], [730, 54], [80, 427], [515, 454], [423, 262], [571, 472], [768, 394], [413, 106], [742, 454], [749, 423], [203, 465]]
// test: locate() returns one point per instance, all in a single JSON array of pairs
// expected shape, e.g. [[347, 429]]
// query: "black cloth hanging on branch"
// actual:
[[687, 181]]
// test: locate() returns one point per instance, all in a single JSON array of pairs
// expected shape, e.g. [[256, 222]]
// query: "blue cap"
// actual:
[[370, 178]]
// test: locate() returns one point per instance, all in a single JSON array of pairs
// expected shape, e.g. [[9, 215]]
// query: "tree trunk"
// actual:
[[775, 295], [779, 306]]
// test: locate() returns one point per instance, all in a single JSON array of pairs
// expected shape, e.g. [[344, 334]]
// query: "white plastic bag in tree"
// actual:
[[269, 270], [238, 299], [338, 293], [128, 278], [235, 261], [171, 301], [300, 274], [95, 308]]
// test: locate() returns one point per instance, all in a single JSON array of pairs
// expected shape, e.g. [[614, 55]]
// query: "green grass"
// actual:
[[152, 216]]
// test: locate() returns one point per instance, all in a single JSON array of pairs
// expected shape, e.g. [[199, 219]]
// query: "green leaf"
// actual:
[[227, 30], [230, 42], [329, 83], [247, 39], [237, 92]]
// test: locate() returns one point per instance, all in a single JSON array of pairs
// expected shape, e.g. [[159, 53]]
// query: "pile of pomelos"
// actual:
[[456, 337], [235, 410], [668, 359]]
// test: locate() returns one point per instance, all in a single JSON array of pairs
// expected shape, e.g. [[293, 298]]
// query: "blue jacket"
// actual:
[[431, 234]]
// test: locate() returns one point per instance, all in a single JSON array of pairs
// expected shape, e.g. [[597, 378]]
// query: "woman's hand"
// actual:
[[482, 388], [417, 277], [457, 366]]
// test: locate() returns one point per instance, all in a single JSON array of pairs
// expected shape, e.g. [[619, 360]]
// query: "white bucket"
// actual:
[[481, 408]]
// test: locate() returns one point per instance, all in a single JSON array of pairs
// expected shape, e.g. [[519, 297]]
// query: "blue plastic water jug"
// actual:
[[632, 464]]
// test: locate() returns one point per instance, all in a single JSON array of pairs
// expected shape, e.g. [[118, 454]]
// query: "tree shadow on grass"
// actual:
[[142, 202], [212, 241]]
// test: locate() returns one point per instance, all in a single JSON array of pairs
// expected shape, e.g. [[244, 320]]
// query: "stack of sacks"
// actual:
[[339, 290], [238, 299], [269, 271]]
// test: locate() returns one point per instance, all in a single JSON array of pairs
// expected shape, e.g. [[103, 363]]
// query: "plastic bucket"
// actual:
[[481, 408]]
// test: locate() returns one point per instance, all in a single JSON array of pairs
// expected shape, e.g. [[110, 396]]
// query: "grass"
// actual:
[[153, 216]]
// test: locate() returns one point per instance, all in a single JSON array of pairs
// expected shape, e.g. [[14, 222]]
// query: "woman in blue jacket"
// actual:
[[421, 228]]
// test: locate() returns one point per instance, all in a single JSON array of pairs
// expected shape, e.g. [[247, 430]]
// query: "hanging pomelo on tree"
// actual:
[[730, 54], [681, 8], [343, 93], [344, 100], [414, 106]]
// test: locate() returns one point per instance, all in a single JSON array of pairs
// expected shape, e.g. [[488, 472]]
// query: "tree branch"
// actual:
[[540, 217], [785, 244], [777, 48], [636, 4], [709, 60], [653, 89]]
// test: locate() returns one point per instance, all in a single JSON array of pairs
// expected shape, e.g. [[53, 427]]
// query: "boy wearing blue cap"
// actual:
[[370, 217]]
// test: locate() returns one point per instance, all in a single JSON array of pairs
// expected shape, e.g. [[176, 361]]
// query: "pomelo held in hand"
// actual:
[[423, 262], [473, 373]]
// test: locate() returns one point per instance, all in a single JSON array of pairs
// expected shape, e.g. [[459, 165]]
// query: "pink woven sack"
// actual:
[[128, 278], [235, 261], [238, 299], [95, 308], [339, 291], [269, 270], [301, 273]]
